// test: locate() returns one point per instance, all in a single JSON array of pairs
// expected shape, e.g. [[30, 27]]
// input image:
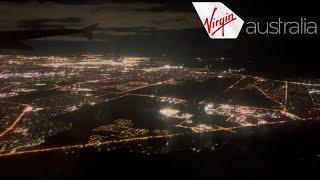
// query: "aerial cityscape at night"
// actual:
[[159, 89], [109, 102]]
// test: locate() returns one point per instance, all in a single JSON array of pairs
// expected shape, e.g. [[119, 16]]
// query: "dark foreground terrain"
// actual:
[[292, 150]]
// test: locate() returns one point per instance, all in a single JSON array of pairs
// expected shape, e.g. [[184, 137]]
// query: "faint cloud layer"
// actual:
[[48, 23], [113, 19]]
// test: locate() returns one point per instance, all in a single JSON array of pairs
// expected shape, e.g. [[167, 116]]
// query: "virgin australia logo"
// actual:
[[219, 21]]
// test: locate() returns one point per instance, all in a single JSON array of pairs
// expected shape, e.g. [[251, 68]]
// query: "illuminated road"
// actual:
[[27, 108]]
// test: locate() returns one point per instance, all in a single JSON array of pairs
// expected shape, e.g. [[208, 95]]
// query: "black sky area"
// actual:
[[175, 35]]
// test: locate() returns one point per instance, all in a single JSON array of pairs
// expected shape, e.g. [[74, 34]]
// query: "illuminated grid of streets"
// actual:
[[35, 90]]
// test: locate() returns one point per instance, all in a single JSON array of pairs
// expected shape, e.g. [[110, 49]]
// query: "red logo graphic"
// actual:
[[214, 25], [218, 20]]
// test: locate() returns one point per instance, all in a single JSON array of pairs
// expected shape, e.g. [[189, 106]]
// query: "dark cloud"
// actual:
[[109, 15], [243, 7], [128, 7], [48, 23]]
